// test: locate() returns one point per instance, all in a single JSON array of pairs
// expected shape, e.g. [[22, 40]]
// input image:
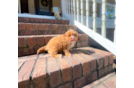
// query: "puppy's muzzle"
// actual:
[[73, 39]]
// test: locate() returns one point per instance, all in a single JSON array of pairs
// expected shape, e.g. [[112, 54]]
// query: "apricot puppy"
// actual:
[[61, 43]]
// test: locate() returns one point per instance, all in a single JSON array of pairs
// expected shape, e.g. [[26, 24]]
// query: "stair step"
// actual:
[[43, 28], [28, 45], [86, 65], [108, 81], [42, 20]]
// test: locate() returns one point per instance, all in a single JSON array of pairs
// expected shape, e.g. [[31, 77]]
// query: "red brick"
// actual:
[[20, 52], [59, 21], [51, 27], [40, 20], [100, 60], [21, 19], [22, 26], [67, 22], [82, 37], [79, 44], [31, 20], [24, 74], [40, 26], [77, 69], [92, 60], [31, 41], [55, 26], [107, 53], [92, 85], [65, 69], [47, 20], [28, 25], [67, 27], [54, 72], [67, 85], [44, 21], [84, 44], [75, 28], [47, 38], [22, 42], [52, 21], [40, 40], [39, 76], [35, 26], [56, 21], [107, 76], [62, 22], [27, 20], [86, 37], [45, 26], [79, 82], [85, 63], [34, 32], [94, 75], [36, 20], [111, 83], [27, 58]]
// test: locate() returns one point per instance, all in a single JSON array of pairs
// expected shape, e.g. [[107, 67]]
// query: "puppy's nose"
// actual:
[[73, 39]]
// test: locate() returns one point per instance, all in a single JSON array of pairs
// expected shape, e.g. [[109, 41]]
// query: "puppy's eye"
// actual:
[[69, 35], [74, 35]]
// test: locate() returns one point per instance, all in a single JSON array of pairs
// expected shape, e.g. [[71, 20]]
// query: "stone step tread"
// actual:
[[43, 71]]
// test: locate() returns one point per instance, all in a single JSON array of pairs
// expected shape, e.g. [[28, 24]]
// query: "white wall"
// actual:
[[124, 40]]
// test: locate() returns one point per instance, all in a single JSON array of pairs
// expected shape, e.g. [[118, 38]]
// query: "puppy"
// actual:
[[61, 43]]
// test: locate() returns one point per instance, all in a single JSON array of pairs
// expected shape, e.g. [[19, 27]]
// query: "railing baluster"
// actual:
[[74, 8], [94, 15], [115, 26], [103, 18], [82, 21], [69, 7], [78, 10], [87, 13], [19, 6]]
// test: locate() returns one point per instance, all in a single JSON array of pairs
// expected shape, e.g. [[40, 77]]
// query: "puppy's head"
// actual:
[[72, 35]]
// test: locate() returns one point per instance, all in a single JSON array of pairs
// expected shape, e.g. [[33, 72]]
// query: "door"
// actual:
[[24, 6], [43, 7]]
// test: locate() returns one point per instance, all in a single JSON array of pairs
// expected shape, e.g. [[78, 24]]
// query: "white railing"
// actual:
[[75, 17]]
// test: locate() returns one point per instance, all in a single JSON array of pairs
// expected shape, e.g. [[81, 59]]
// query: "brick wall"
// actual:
[[28, 45]]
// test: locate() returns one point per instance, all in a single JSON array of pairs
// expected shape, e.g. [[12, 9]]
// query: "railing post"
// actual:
[[115, 26], [74, 9], [82, 21], [94, 15], [103, 18], [78, 10], [19, 6], [87, 13]]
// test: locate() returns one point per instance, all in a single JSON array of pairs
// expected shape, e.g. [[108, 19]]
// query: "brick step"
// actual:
[[42, 20], [28, 45], [86, 65], [108, 81], [43, 28]]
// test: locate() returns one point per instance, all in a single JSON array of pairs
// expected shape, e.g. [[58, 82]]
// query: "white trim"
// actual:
[[19, 6], [109, 45], [35, 16]]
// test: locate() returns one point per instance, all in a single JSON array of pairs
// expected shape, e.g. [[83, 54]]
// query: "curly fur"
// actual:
[[61, 43]]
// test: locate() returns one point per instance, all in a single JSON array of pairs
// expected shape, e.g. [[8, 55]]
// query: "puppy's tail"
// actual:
[[41, 49]]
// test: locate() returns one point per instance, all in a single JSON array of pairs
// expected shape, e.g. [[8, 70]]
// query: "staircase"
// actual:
[[86, 65]]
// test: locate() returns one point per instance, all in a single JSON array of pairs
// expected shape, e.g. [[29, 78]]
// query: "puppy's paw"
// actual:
[[70, 56]]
